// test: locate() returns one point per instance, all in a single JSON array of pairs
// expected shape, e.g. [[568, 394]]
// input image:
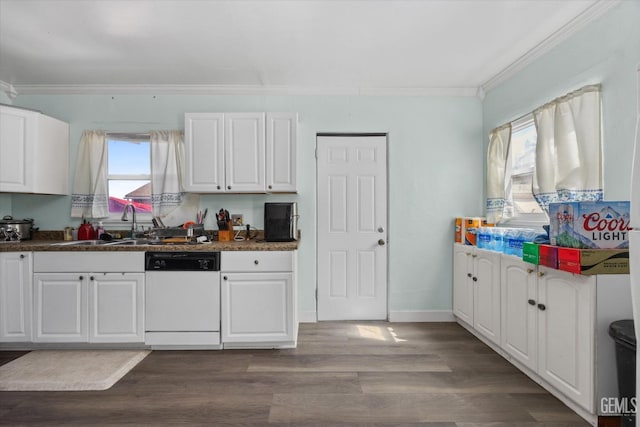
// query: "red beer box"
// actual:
[[548, 256], [589, 225], [593, 261]]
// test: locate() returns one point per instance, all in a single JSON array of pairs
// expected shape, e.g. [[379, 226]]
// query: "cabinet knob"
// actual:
[[529, 270], [228, 187], [91, 278], [218, 187], [224, 278], [469, 274], [256, 262], [531, 302], [81, 278], [270, 187], [540, 274], [542, 307], [475, 279], [21, 256], [474, 255]]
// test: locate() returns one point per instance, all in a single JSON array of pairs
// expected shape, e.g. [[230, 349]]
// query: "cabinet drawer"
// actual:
[[88, 262], [257, 261]]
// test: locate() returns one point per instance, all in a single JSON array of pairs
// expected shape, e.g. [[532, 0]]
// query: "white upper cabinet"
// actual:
[[35, 152], [240, 152], [282, 131], [204, 152], [244, 152]]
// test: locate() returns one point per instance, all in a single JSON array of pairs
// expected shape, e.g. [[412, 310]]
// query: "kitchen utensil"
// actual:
[[23, 226]]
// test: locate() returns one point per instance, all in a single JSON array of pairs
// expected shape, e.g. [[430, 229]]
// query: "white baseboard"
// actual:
[[307, 317], [395, 316], [422, 316]]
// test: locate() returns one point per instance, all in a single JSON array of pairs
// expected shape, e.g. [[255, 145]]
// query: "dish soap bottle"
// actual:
[[99, 230]]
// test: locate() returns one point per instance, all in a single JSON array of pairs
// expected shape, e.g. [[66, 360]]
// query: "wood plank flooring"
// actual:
[[342, 373]]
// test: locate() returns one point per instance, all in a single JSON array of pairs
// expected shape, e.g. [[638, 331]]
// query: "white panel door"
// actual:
[[15, 296], [519, 310], [257, 307], [566, 321], [281, 151], [462, 283], [486, 294], [204, 152], [61, 307], [116, 307], [244, 150], [352, 227]]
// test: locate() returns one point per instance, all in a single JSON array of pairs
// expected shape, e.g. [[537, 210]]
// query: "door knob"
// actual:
[[381, 242]]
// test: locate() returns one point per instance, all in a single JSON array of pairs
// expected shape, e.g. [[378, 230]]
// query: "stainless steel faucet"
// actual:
[[125, 217]]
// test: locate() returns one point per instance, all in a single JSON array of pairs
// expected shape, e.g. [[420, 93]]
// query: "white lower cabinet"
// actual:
[[476, 289], [548, 319], [86, 306], [258, 299], [554, 326], [15, 296]]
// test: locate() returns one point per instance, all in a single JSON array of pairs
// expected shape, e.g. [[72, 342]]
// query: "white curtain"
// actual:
[[499, 140], [569, 148], [90, 196], [169, 201]]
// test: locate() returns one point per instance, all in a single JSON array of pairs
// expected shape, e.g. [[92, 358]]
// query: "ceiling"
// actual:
[[376, 46]]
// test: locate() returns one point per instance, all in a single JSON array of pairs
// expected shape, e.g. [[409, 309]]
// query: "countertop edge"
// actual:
[[49, 246]]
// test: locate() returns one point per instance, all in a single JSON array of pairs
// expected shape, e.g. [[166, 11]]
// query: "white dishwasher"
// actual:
[[182, 300]]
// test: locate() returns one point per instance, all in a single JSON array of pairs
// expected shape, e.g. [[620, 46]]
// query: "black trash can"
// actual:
[[623, 333]]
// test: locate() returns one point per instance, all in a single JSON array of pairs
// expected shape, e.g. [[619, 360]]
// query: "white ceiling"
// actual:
[[398, 46]]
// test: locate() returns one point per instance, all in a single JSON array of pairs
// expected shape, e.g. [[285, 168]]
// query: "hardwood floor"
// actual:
[[342, 373]]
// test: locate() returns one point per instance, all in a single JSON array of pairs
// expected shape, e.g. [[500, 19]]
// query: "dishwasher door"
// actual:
[[182, 301]]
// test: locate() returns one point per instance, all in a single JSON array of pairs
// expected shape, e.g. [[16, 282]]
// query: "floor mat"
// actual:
[[67, 370]]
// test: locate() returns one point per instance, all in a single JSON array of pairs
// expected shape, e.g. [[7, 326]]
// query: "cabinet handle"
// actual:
[[468, 274], [540, 274], [531, 302], [91, 278], [270, 187], [81, 278], [475, 279], [21, 256], [218, 187], [224, 278], [542, 307], [228, 187], [256, 262], [529, 270], [474, 255]]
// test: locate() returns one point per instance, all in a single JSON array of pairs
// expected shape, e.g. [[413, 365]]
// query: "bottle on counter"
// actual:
[[99, 230]]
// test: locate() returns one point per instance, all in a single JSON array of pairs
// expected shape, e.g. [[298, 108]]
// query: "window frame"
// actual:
[[142, 218], [522, 219]]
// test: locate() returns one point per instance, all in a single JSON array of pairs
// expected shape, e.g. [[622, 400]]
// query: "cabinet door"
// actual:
[[462, 283], [519, 310], [257, 307], [116, 307], [16, 141], [282, 131], [15, 296], [486, 294], [244, 151], [566, 324], [204, 152], [61, 309]]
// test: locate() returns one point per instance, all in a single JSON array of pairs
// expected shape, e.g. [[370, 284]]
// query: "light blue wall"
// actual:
[[607, 51], [435, 161]]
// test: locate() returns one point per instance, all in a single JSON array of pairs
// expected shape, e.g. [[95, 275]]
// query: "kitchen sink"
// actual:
[[129, 242]]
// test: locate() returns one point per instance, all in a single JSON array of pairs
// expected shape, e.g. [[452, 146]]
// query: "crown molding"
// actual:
[[8, 89], [205, 89], [590, 14]]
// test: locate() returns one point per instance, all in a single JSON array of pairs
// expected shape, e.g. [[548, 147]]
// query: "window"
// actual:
[[520, 205], [129, 173]]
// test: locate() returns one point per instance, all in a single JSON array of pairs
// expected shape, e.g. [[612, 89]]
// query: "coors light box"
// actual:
[[589, 225]]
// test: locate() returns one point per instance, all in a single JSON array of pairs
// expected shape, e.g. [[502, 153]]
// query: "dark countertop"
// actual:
[[47, 245]]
